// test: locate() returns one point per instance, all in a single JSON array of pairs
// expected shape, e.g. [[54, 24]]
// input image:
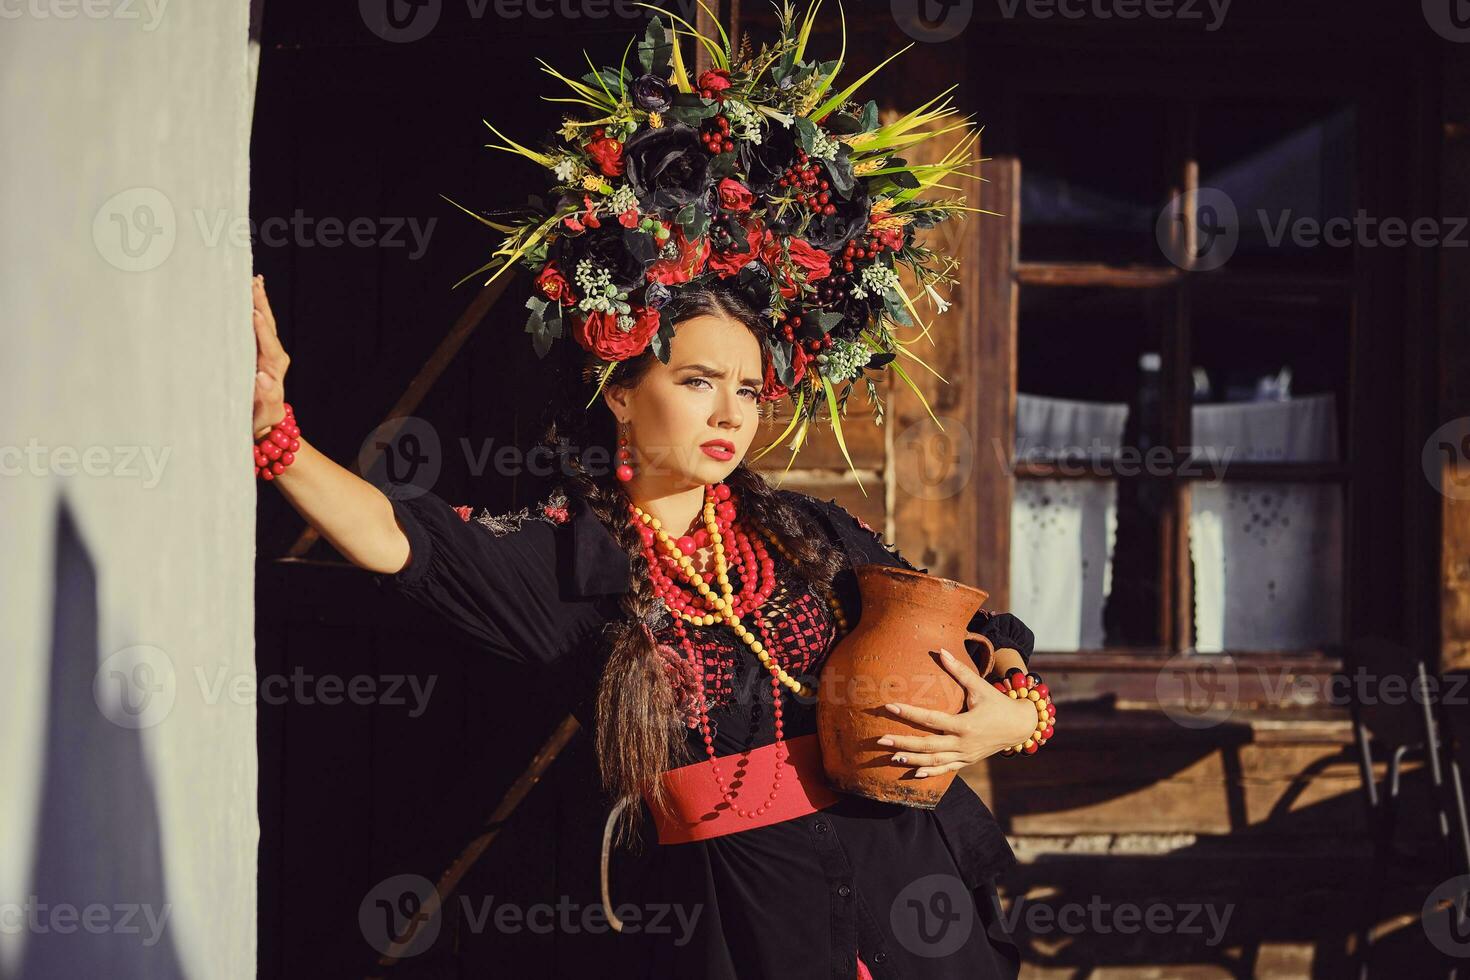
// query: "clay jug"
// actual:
[[892, 655]]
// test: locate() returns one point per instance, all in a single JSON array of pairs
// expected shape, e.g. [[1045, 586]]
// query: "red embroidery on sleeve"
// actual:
[[463, 510]]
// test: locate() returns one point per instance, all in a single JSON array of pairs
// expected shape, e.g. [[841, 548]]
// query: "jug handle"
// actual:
[[989, 652]]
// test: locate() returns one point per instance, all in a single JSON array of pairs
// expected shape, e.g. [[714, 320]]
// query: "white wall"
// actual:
[[127, 840]]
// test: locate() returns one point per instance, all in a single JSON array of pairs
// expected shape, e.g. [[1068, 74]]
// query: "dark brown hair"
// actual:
[[638, 732]]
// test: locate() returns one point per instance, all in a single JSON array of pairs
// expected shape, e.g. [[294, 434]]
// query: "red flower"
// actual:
[[554, 286], [558, 515], [773, 388], [730, 263], [713, 82], [629, 218], [889, 238], [607, 153], [463, 511], [599, 333], [816, 263], [690, 263], [735, 196]]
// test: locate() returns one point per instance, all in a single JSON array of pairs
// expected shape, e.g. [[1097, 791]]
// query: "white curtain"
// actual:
[[1063, 531], [1267, 556]]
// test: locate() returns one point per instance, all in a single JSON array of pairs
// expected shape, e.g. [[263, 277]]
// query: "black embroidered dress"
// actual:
[[911, 891]]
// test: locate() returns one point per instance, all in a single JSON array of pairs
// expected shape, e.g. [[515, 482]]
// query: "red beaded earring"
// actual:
[[625, 455]]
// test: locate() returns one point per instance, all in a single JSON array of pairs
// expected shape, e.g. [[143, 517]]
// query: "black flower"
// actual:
[[830, 232], [665, 166], [652, 93], [765, 162], [625, 253]]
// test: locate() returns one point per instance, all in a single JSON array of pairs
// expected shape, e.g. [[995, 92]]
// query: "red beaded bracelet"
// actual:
[[1023, 686], [276, 450]]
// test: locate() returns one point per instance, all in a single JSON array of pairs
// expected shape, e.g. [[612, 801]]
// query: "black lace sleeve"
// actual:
[[497, 586], [864, 545]]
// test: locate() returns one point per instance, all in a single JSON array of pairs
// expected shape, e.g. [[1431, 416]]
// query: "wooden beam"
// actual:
[[422, 382]]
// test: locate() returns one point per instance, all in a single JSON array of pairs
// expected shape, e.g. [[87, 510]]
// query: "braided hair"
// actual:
[[639, 732]]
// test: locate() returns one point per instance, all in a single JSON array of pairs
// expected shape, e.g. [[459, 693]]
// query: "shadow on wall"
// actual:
[[97, 901]]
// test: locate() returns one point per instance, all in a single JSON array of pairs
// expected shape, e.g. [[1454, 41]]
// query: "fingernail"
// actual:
[[885, 740], [946, 654], [892, 707], [920, 773], [898, 758]]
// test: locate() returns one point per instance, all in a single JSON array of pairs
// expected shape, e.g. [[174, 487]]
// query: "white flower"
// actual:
[[877, 279], [941, 305], [566, 169]]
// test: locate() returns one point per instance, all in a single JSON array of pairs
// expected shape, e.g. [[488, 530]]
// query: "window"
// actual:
[[1182, 338]]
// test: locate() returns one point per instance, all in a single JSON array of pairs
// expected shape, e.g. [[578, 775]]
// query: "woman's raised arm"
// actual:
[[351, 513]]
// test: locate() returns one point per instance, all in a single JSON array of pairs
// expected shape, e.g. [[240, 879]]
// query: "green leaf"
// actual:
[[721, 165], [693, 220], [806, 133], [835, 415], [828, 320], [656, 48], [663, 339], [869, 120], [781, 363]]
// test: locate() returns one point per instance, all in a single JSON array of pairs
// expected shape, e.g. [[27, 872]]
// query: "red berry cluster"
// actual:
[[805, 177], [790, 325], [868, 247], [715, 134]]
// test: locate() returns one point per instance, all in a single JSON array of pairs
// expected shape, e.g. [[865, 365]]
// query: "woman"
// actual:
[[586, 586]]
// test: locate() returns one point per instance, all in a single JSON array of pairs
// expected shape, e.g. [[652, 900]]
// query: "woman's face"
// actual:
[[691, 421]]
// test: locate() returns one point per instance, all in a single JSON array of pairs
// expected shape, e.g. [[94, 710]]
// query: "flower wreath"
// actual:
[[757, 174]]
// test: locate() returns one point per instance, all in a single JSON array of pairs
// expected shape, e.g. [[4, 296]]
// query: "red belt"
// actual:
[[697, 809]]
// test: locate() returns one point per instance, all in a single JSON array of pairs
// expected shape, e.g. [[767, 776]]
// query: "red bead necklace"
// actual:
[[705, 607]]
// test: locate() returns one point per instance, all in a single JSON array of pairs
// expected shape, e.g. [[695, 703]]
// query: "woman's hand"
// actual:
[[990, 722], [271, 362]]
